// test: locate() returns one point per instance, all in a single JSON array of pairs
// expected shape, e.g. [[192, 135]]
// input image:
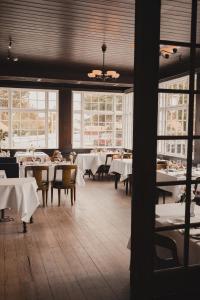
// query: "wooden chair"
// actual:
[[67, 182], [104, 169], [160, 193], [43, 185], [169, 244], [161, 165], [197, 191], [11, 169]]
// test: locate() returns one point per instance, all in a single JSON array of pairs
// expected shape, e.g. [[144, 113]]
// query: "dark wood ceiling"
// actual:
[[62, 39]]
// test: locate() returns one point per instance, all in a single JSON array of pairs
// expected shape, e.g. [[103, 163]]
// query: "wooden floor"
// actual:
[[70, 252]]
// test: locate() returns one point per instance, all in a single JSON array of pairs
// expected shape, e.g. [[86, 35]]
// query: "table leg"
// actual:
[[2, 214], [117, 177], [24, 227]]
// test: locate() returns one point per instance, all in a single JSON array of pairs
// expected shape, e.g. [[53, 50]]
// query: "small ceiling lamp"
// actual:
[[168, 51], [102, 74], [9, 56]]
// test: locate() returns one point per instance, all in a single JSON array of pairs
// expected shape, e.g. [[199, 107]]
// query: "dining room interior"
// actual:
[[99, 149]]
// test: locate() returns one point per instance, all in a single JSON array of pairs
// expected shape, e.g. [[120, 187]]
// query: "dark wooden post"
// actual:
[[65, 119], [146, 66]]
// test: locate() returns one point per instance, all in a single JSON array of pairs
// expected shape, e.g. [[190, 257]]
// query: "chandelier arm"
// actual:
[[165, 51]]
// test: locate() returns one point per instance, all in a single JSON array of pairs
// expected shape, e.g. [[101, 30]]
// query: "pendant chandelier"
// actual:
[[167, 51], [10, 57], [103, 74]]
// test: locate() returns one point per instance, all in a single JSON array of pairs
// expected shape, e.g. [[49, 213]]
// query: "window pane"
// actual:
[[172, 114], [95, 119], [3, 98]]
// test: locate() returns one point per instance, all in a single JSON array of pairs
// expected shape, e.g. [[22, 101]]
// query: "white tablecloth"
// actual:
[[19, 194], [90, 161], [121, 166], [23, 155], [173, 213], [79, 177], [173, 176], [2, 174], [176, 191]]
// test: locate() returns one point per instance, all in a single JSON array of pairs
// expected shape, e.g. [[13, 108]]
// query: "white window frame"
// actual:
[[46, 111], [82, 144]]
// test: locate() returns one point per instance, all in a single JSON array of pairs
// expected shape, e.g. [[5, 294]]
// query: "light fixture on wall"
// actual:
[[9, 55], [103, 74], [167, 51]]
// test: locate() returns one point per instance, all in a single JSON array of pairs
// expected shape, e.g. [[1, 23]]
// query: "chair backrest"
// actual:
[[116, 156], [108, 159], [68, 174], [11, 169], [161, 165], [196, 184], [169, 244], [38, 173], [7, 160], [127, 155]]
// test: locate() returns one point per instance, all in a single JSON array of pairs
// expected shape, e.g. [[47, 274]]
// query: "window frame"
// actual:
[[46, 110], [99, 112]]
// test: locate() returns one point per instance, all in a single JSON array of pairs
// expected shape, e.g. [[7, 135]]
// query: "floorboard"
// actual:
[[73, 253]]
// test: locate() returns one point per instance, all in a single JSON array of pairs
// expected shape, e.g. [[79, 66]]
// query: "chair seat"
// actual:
[[59, 184], [43, 184]]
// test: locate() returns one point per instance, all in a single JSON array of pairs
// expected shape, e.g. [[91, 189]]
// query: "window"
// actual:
[[97, 119], [30, 117], [128, 121], [173, 117]]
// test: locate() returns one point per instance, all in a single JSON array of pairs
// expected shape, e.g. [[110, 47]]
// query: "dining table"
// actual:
[[91, 161], [122, 166], [23, 155], [19, 194], [176, 175], [174, 214]]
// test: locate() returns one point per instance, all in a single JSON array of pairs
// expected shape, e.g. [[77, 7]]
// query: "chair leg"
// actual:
[[47, 196], [24, 227], [58, 197], [31, 220], [163, 197], [65, 191], [126, 186], [72, 192], [43, 197], [51, 195]]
